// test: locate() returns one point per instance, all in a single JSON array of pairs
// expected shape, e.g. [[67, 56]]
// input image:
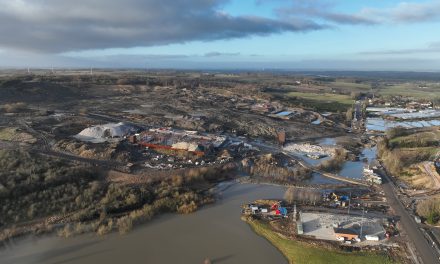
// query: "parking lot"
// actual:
[[321, 225]]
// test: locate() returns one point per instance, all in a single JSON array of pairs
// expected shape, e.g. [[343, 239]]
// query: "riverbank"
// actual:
[[301, 252], [214, 231], [84, 199]]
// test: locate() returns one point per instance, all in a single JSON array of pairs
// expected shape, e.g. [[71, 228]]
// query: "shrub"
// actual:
[[335, 163], [294, 194], [433, 217], [125, 224], [187, 208], [14, 107], [396, 132], [67, 231], [104, 229], [430, 210], [289, 195]]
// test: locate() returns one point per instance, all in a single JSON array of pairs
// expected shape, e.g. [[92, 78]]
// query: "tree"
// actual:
[[349, 114], [289, 195], [396, 132], [125, 224], [355, 95]]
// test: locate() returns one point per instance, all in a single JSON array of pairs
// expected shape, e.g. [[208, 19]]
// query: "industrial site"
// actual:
[[111, 151]]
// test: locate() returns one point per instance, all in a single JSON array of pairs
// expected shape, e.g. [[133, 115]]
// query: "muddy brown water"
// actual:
[[215, 232]]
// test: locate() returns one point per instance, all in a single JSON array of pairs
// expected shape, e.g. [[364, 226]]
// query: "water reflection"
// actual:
[[214, 232]]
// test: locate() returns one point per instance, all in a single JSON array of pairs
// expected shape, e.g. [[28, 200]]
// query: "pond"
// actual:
[[355, 169]]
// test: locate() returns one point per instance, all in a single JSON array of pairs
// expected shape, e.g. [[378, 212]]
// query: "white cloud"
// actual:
[[403, 12]]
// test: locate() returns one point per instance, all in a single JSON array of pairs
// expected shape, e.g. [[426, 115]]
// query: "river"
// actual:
[[214, 232]]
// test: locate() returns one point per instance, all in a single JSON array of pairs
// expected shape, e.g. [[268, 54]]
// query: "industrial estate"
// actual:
[[329, 168]]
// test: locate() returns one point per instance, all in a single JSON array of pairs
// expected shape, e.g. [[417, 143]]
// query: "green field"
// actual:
[[322, 101], [404, 150], [411, 90], [299, 252], [350, 86], [422, 153], [325, 97], [429, 138]]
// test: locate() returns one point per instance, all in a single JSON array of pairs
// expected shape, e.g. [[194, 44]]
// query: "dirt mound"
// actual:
[[101, 133]]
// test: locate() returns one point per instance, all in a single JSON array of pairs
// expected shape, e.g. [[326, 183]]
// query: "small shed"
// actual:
[[132, 139], [281, 135]]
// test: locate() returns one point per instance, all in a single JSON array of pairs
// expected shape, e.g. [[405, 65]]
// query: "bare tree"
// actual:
[[289, 195]]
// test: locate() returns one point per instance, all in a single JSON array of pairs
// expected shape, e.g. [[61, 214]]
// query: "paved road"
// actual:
[[357, 116], [424, 249]]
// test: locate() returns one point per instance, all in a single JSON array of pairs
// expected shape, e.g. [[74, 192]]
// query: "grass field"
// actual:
[[407, 153], [350, 86], [427, 138], [429, 152], [410, 90], [423, 140], [326, 97], [299, 252], [322, 101]]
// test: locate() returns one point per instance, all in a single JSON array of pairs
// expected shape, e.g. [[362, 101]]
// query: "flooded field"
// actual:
[[355, 169], [214, 232], [350, 169]]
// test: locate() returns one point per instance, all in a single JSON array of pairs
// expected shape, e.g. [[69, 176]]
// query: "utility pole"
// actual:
[[91, 74], [294, 211], [349, 202], [362, 222]]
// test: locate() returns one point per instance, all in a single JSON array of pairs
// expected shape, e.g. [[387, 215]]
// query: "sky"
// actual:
[[221, 34]]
